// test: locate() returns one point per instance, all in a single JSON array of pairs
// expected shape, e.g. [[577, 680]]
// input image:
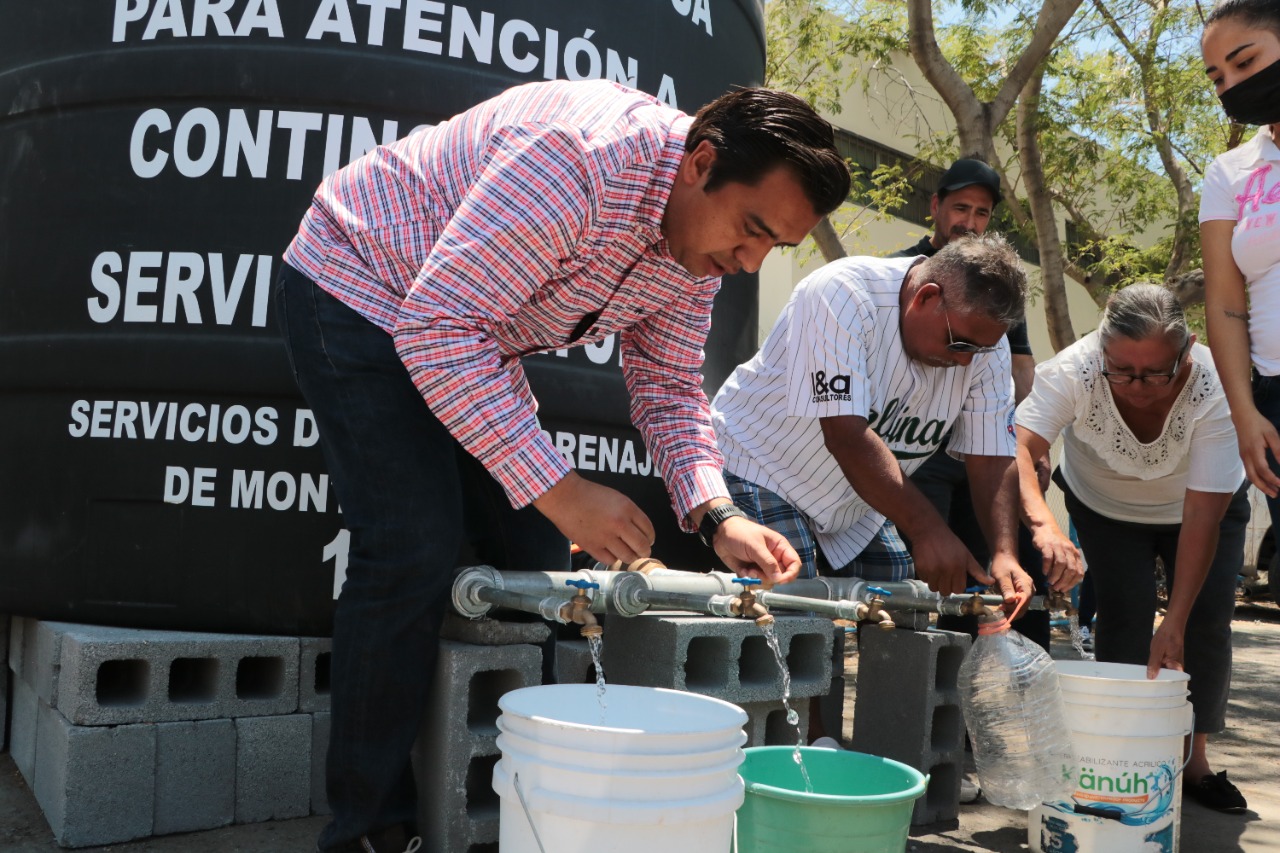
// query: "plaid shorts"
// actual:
[[884, 559]]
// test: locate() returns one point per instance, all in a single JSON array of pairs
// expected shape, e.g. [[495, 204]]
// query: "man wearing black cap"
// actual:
[[964, 203]]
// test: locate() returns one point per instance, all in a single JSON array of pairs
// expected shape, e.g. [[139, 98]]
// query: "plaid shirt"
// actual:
[[492, 235]]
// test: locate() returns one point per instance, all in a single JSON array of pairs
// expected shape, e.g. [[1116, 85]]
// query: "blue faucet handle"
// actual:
[[881, 591], [582, 584], [975, 589], [746, 581]]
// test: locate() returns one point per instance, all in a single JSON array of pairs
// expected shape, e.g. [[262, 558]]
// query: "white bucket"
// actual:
[[1143, 702], [1127, 734], [635, 720], [1124, 722], [1119, 679], [656, 770], [619, 782], [680, 761]]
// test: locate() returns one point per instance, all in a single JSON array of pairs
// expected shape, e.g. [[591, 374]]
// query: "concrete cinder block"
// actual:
[[729, 659], [493, 632], [4, 681], [4, 706], [457, 743], [830, 706], [320, 727], [195, 775], [13, 637], [767, 723], [908, 709], [95, 784], [22, 732], [273, 767], [112, 676], [573, 662], [40, 657], [314, 658]]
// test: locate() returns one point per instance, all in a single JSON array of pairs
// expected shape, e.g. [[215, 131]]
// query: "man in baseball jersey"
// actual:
[[554, 214], [872, 361], [964, 203], [966, 200]]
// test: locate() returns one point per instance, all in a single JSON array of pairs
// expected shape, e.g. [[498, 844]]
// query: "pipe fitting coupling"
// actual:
[[466, 590]]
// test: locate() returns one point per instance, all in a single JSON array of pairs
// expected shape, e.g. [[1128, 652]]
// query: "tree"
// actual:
[[978, 123], [1097, 114], [807, 54]]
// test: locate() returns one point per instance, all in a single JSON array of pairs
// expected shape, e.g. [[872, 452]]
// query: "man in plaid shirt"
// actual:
[[554, 214]]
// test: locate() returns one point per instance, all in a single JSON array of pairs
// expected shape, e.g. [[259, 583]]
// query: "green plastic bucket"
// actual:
[[860, 803]]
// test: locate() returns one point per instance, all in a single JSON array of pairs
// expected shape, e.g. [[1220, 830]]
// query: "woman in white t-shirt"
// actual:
[[1240, 232], [1150, 470]]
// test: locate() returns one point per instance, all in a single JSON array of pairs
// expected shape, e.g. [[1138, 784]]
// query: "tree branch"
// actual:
[[1057, 312], [971, 116], [1053, 16], [1114, 26], [828, 240]]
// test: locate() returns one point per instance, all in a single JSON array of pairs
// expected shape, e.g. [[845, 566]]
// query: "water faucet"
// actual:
[[1058, 600], [975, 606], [745, 603], [577, 610], [876, 610]]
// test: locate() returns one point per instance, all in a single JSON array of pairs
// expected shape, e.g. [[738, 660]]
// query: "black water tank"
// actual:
[[158, 467]]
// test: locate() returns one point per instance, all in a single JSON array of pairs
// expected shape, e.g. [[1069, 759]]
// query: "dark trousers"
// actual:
[[414, 501], [1122, 561], [1266, 396], [1088, 606], [945, 482]]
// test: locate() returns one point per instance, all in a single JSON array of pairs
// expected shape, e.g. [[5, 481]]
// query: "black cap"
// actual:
[[966, 173]]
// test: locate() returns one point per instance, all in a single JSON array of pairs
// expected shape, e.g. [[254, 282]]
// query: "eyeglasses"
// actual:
[[1157, 380], [961, 346]]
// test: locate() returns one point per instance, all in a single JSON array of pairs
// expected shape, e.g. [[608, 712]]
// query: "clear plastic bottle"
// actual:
[[1013, 708]]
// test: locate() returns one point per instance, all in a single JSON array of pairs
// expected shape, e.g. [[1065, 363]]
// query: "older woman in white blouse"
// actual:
[[1150, 469]]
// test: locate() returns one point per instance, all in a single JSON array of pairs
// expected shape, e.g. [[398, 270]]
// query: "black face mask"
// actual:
[[1255, 100]]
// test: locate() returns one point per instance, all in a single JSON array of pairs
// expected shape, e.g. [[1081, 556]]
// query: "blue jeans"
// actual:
[[415, 503]]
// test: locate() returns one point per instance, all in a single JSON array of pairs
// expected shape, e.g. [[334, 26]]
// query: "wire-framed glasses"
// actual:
[[1154, 379]]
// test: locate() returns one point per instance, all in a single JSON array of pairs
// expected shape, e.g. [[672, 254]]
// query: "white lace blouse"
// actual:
[[1107, 467]]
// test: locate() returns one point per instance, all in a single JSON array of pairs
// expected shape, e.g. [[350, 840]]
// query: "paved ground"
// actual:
[[1249, 751]]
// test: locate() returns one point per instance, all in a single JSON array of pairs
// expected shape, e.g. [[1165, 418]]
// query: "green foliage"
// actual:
[[810, 45], [1124, 104], [814, 54], [876, 194], [1133, 84]]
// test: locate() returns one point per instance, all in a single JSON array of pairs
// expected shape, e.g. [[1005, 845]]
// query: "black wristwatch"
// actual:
[[714, 518]]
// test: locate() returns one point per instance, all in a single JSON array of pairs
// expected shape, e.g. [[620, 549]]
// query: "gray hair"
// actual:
[[980, 275], [1142, 311]]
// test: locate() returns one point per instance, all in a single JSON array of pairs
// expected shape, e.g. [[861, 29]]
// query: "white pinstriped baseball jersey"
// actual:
[[836, 350]]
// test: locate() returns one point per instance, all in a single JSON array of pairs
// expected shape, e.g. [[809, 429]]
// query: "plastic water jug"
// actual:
[[1013, 708]]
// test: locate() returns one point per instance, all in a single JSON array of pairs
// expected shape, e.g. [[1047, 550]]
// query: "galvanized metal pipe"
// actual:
[[839, 609], [712, 605], [470, 581], [548, 607], [631, 593]]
